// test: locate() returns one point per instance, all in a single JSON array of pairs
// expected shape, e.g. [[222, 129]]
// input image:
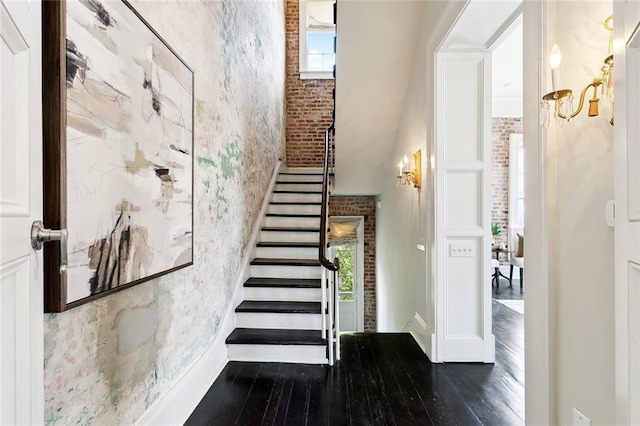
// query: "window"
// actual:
[[317, 33], [516, 181]]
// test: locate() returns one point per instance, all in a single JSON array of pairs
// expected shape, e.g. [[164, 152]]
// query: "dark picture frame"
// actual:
[[118, 122]]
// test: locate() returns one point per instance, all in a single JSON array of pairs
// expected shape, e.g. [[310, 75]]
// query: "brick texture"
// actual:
[[309, 103], [363, 206], [501, 129]]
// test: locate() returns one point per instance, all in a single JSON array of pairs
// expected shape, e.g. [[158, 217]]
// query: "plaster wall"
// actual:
[[107, 361], [583, 265]]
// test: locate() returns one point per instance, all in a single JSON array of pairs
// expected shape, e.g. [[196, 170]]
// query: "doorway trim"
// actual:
[[540, 350]]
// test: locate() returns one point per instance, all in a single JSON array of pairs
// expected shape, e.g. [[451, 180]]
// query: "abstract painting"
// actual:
[[128, 165]]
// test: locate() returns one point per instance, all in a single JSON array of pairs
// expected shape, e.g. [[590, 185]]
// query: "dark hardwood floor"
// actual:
[[382, 379]]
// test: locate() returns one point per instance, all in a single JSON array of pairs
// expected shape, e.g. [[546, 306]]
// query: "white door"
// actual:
[[347, 291], [627, 210], [463, 207], [21, 291], [351, 297]]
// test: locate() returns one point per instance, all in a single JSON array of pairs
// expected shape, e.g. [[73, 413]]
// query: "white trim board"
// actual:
[[423, 336], [186, 392]]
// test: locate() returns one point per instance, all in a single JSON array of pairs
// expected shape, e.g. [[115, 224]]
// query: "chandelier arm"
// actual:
[[596, 82]]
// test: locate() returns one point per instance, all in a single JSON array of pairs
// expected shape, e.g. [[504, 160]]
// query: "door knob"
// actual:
[[41, 235]]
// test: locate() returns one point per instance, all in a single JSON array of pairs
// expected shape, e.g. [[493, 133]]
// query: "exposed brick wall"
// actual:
[[309, 103], [363, 206], [501, 129]]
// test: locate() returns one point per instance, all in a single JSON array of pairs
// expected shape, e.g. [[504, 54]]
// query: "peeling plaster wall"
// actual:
[[107, 361]]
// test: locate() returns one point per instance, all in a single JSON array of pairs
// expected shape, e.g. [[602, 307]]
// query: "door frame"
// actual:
[[540, 351], [359, 270]]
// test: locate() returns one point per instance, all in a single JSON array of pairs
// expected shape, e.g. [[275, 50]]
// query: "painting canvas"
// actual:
[[129, 151]]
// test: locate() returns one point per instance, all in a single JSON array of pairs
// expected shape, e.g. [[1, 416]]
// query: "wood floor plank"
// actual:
[[360, 409], [338, 400], [258, 398]]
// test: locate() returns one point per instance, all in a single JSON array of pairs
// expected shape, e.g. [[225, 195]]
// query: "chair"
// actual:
[[517, 258], [496, 274]]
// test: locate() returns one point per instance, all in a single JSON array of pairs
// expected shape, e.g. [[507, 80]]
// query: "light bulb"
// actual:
[[555, 57], [554, 62]]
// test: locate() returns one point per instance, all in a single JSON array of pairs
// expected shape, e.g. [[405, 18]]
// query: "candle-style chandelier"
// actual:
[[410, 173], [562, 99]]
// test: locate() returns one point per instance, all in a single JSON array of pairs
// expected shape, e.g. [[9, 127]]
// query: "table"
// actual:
[[497, 274]]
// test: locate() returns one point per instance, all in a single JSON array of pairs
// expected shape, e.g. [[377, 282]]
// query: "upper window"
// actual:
[[317, 33], [516, 181]]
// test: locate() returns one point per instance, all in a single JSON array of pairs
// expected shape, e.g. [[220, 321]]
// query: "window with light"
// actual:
[[317, 33]]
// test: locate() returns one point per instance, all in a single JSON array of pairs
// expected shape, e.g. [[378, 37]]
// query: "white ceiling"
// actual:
[[376, 42]]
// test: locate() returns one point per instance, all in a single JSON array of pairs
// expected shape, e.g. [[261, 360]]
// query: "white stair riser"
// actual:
[[305, 187], [283, 294], [279, 236], [281, 321], [296, 198], [287, 252], [300, 178], [311, 170], [293, 209], [307, 354], [276, 271], [292, 222]]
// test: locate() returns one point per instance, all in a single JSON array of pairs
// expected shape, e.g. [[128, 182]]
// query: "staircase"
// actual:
[[280, 318]]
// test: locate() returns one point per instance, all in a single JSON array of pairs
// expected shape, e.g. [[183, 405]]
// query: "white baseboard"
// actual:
[[178, 402], [419, 329]]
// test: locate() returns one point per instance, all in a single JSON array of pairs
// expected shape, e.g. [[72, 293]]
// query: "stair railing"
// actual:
[[330, 278]]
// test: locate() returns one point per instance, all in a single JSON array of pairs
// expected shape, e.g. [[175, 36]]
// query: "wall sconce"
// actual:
[[563, 98], [410, 174]]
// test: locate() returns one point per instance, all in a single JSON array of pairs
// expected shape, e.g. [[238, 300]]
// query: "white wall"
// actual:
[[578, 165], [405, 217], [582, 266]]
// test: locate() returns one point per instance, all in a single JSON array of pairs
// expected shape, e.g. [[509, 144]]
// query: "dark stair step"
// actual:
[[287, 191], [294, 203], [298, 182], [305, 216], [285, 244], [278, 229], [303, 174], [279, 307], [285, 262], [268, 336], [283, 282]]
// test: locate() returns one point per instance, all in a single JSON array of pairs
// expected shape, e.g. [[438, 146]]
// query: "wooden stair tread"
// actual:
[[283, 282], [299, 182], [279, 229], [286, 244], [268, 336], [279, 307], [291, 191], [294, 203], [285, 262], [293, 215]]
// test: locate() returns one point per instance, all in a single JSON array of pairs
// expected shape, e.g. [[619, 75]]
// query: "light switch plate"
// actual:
[[462, 250]]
